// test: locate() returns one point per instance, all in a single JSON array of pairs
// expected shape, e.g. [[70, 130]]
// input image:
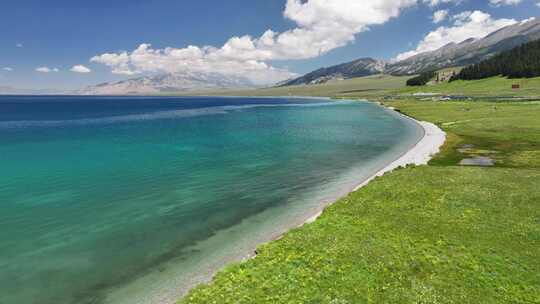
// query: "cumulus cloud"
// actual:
[[19, 45], [504, 2], [7, 69], [476, 24], [434, 3], [45, 69], [321, 26], [80, 69], [439, 16]]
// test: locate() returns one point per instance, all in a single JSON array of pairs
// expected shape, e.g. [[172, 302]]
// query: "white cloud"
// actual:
[[322, 25], [47, 70], [19, 45], [80, 69], [440, 16], [434, 3], [7, 69], [466, 25], [504, 2]]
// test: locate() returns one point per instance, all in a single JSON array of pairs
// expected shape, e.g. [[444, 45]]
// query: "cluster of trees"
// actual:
[[421, 79], [520, 62]]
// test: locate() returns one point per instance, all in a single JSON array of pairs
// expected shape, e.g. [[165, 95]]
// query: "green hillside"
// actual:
[[520, 62]]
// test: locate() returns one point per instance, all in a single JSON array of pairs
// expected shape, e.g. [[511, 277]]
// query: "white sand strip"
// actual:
[[430, 143], [420, 154]]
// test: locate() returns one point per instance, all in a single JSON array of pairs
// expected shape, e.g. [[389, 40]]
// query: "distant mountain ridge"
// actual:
[[8, 90], [520, 62], [469, 51], [357, 68], [168, 83]]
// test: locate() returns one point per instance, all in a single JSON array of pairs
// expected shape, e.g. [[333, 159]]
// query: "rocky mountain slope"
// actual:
[[466, 52], [469, 51], [167, 83], [357, 68]]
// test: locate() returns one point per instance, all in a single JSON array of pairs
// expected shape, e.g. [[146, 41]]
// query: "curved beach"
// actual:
[[420, 154], [204, 270], [193, 185]]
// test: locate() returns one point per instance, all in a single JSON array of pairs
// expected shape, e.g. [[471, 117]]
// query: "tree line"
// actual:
[[421, 79], [520, 62]]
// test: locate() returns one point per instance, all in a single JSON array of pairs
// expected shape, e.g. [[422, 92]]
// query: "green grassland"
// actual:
[[386, 85], [489, 87], [440, 233], [508, 132], [365, 86]]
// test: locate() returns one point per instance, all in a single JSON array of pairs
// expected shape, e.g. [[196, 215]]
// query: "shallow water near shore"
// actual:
[[136, 199]]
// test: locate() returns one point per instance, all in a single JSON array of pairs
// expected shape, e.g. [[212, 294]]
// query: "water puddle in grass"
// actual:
[[481, 161], [475, 157]]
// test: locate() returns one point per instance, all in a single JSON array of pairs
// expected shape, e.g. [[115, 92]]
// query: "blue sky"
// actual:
[[59, 34]]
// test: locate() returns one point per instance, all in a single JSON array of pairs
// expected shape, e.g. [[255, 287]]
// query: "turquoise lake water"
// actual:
[[107, 199]]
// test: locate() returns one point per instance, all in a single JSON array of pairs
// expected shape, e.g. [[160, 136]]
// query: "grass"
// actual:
[[440, 233], [385, 85], [365, 86], [489, 87], [508, 132]]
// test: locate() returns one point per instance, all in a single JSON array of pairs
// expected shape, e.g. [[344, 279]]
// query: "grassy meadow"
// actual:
[[441, 233], [489, 87], [375, 85], [507, 132]]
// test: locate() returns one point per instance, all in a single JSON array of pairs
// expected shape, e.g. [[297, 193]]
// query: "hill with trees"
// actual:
[[421, 79], [520, 62], [469, 51]]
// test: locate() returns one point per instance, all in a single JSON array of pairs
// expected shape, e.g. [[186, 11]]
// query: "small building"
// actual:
[[516, 87]]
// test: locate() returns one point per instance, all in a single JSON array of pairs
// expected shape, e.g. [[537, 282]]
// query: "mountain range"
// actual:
[[467, 52], [168, 83], [8, 90], [464, 53], [357, 68]]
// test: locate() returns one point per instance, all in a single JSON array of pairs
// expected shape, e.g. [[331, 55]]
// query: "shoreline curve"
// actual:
[[418, 154]]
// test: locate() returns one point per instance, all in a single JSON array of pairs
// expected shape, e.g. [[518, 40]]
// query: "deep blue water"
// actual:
[[96, 192]]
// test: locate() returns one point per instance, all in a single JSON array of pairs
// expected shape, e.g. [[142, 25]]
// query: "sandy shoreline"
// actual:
[[419, 154]]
